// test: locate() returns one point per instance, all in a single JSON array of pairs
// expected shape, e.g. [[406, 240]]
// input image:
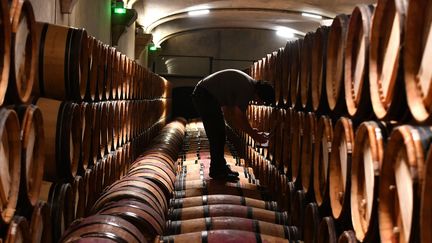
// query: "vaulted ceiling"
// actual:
[[167, 18]]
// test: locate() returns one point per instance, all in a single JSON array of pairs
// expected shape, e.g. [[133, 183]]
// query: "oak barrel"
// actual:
[[340, 170], [306, 71], [63, 62], [222, 199], [103, 227], [215, 236], [318, 69], [416, 55], [32, 154], [231, 223], [311, 223], [357, 94], [40, 224], [322, 155], [335, 61], [18, 230], [347, 237], [386, 77], [23, 53], [401, 180], [308, 150], [327, 231], [6, 32], [295, 65], [10, 163], [365, 171], [62, 126]]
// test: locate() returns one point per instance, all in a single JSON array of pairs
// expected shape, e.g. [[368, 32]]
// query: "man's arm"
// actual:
[[238, 119]]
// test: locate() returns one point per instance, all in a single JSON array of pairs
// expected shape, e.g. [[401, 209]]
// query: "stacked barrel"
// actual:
[[134, 208], [74, 113], [206, 210], [349, 153]]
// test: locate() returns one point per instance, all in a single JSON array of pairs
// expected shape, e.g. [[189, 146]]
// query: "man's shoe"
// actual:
[[228, 168], [223, 175]]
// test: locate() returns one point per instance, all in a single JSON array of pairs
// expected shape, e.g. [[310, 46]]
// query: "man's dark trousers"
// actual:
[[214, 124]]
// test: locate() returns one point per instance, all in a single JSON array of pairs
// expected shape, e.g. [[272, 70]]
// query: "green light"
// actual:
[[119, 10], [153, 48]]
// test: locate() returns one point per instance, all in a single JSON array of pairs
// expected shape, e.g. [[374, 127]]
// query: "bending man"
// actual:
[[228, 91]]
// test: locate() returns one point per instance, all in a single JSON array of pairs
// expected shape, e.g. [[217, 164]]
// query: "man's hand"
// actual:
[[260, 137]]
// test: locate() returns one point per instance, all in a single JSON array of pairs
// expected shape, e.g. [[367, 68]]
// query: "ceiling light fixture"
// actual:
[[198, 12], [315, 16], [285, 32]]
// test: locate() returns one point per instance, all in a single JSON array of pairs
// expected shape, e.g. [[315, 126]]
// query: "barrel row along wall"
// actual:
[[75, 113], [349, 153]]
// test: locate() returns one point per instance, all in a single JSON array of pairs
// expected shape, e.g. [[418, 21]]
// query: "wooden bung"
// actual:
[[401, 181], [365, 172], [335, 64], [10, 163], [5, 50], [417, 55], [387, 39], [357, 94], [340, 170]]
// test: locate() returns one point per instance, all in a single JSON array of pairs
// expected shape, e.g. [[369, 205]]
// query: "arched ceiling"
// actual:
[[167, 18]]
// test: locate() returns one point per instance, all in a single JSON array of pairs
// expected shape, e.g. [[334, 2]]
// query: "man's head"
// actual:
[[264, 92]]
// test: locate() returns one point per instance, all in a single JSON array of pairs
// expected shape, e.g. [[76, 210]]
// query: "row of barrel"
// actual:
[[56, 141], [370, 177], [370, 64], [37, 210], [207, 210], [134, 208], [65, 63]]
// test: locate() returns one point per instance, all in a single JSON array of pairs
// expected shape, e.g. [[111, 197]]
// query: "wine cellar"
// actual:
[[100, 140]]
